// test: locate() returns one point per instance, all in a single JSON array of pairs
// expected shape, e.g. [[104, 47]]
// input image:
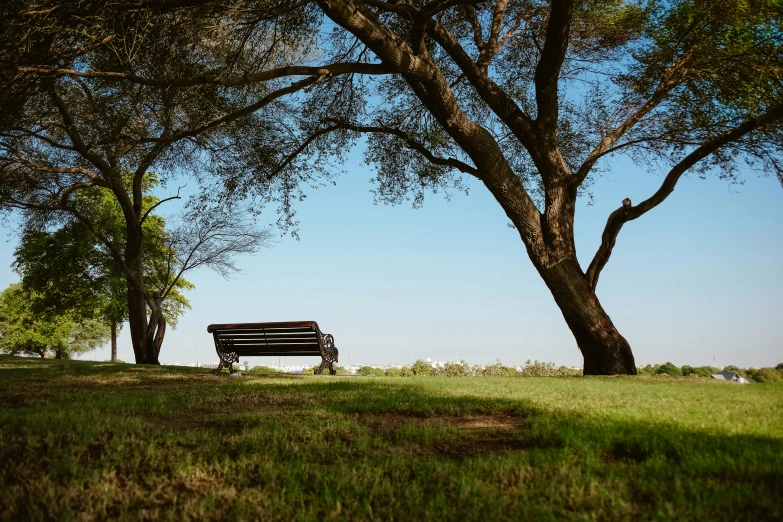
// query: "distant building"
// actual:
[[729, 376]]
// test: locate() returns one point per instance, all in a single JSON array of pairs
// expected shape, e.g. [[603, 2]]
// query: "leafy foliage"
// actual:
[[369, 371], [422, 368], [23, 331], [669, 369]]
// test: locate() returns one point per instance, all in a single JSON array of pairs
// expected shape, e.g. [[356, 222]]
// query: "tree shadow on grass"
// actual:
[[665, 470], [375, 448]]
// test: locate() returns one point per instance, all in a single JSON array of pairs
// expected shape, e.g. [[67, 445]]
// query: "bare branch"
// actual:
[[153, 207]]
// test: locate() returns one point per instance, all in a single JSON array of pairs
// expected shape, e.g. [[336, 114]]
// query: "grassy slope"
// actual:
[[87, 440]]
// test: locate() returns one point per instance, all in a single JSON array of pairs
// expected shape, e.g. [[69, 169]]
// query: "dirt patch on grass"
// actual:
[[457, 438], [220, 423], [394, 421]]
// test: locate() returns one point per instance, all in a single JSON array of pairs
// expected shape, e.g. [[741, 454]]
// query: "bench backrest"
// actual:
[[279, 338]]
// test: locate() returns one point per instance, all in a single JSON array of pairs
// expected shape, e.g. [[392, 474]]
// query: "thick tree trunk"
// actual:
[[605, 351], [113, 342], [138, 325]]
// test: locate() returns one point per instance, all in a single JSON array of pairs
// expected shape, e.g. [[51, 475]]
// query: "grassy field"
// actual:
[[93, 441]]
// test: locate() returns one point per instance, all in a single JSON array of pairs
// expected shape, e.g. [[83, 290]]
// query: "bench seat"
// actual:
[[290, 339]]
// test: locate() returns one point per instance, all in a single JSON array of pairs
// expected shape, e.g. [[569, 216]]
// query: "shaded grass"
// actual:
[[87, 441]]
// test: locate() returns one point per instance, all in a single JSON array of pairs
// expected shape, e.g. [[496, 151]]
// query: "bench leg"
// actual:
[[320, 368], [227, 359], [332, 371]]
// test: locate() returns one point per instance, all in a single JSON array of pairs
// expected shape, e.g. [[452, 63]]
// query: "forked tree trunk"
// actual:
[[138, 325], [605, 351]]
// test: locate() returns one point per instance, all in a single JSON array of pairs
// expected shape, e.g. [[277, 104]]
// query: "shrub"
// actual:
[[698, 371], [405, 371], [262, 370], [565, 371], [766, 375], [496, 370], [460, 369], [648, 369], [369, 371], [669, 369], [539, 369], [420, 368], [736, 369]]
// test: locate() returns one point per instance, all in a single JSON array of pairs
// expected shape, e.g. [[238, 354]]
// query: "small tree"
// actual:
[[22, 331], [369, 371], [669, 369], [422, 368]]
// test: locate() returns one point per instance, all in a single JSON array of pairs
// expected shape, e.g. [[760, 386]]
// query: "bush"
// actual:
[[496, 370], [699, 371], [262, 370], [369, 371], [405, 371], [460, 369], [765, 375], [539, 369], [421, 368], [648, 369], [565, 371], [669, 369], [736, 369]]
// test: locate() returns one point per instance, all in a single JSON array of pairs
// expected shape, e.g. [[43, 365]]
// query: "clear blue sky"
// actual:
[[696, 278]]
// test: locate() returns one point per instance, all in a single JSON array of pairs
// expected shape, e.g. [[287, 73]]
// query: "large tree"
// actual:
[[72, 272], [529, 97], [67, 141]]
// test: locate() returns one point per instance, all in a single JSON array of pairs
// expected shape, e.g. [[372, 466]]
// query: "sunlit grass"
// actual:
[[85, 441]]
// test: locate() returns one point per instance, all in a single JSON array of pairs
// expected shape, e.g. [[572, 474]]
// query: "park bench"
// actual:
[[295, 338]]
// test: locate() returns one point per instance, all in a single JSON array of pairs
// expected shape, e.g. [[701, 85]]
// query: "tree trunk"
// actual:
[[156, 327], [605, 351], [137, 324], [113, 342]]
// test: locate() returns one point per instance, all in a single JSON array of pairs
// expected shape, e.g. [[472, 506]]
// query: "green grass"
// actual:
[[87, 441]]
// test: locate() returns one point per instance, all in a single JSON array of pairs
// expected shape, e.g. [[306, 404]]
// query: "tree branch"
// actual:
[[628, 212], [147, 213], [74, 135], [227, 118], [548, 68], [669, 80], [412, 144], [226, 81]]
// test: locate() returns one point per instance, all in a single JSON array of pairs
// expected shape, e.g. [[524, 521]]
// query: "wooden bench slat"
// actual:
[[280, 324], [270, 336], [270, 340], [270, 331], [284, 353]]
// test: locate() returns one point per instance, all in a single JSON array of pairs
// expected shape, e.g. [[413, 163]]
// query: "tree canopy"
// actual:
[[528, 97], [25, 331]]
